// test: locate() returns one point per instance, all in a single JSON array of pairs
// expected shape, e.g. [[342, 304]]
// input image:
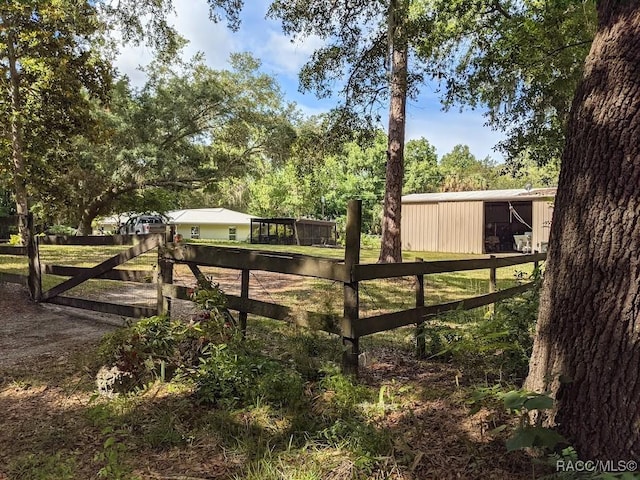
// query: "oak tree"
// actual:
[[49, 72], [188, 127], [587, 346]]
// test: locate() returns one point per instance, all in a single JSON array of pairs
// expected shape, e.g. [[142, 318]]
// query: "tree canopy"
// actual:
[[520, 60], [189, 126], [49, 74]]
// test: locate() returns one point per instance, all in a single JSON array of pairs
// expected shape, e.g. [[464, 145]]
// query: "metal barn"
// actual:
[[489, 221]]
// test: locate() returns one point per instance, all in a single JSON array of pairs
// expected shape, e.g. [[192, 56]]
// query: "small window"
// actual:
[[232, 233], [195, 232]]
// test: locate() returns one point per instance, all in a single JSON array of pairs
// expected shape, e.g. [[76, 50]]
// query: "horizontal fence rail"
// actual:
[[131, 311], [97, 240], [312, 320], [387, 321], [374, 271], [136, 276], [13, 250], [241, 259], [14, 278]]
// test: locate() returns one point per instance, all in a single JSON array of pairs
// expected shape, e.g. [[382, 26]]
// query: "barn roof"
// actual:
[[480, 195], [209, 216]]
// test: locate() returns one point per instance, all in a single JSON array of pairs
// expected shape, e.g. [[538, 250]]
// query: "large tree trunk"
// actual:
[[391, 248], [587, 347], [17, 146], [84, 227]]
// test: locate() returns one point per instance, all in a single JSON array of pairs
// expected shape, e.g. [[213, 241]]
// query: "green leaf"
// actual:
[[497, 430], [534, 437], [109, 442], [548, 438], [523, 438], [514, 400], [539, 402]]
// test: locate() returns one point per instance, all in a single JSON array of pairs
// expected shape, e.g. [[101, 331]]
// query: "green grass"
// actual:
[[376, 296], [42, 467]]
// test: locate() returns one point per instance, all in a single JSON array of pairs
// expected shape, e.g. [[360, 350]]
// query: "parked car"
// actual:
[[144, 224]]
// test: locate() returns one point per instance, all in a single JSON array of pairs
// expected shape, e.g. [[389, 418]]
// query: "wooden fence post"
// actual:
[[493, 284], [33, 254], [421, 346], [165, 276], [350, 343], [244, 293]]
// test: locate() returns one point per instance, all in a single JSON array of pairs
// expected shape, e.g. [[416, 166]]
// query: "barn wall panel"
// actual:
[[460, 227], [542, 214], [420, 227]]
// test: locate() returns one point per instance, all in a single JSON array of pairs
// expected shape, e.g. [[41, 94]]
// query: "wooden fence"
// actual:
[[349, 271], [350, 326], [138, 245]]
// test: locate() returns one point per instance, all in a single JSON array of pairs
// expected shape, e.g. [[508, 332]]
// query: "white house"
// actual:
[[211, 224]]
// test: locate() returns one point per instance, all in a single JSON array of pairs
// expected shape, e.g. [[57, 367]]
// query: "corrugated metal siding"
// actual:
[[460, 227], [420, 227], [542, 213]]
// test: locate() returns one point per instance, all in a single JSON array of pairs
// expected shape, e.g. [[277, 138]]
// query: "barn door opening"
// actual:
[[508, 227]]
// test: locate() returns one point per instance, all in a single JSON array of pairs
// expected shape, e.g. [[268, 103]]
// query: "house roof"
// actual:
[[209, 216], [481, 195], [291, 221]]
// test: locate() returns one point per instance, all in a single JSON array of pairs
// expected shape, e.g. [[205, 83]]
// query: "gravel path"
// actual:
[[31, 330]]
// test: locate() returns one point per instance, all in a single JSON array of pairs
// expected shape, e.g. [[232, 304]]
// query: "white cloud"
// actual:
[[191, 20], [129, 62], [283, 55], [215, 40]]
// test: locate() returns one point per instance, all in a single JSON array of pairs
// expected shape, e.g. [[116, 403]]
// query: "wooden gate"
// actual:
[[106, 270]]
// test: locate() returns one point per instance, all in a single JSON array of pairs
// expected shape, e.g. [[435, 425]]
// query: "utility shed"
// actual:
[[488, 221], [291, 231]]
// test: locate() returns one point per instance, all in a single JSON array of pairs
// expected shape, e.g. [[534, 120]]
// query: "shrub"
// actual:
[[61, 230], [208, 353], [499, 344], [239, 377]]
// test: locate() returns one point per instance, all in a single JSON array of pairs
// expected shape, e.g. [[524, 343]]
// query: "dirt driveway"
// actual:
[[30, 330]]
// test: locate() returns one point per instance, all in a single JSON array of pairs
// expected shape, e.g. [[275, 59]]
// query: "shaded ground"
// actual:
[[48, 415], [31, 330]]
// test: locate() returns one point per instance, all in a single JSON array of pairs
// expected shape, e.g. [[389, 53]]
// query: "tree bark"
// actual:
[[391, 247], [84, 227], [587, 347], [17, 139]]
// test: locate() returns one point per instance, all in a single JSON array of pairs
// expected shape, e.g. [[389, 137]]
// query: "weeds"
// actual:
[[112, 457], [42, 467], [497, 345]]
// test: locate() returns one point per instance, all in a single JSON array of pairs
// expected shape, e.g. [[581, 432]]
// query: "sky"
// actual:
[[282, 59]]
